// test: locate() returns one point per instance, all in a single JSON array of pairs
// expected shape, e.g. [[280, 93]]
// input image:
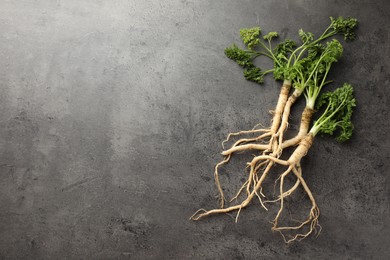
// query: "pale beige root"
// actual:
[[277, 144], [285, 194], [255, 186], [286, 114], [291, 190], [283, 175], [257, 182], [259, 167], [253, 193], [253, 130], [307, 114], [312, 219], [221, 197], [252, 181], [270, 158], [301, 150], [247, 132], [253, 164], [245, 185], [294, 166], [249, 182], [205, 213], [246, 147], [243, 141], [303, 129], [277, 114], [305, 121], [239, 146], [254, 167]]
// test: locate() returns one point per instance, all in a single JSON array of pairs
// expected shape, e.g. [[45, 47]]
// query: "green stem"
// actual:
[[265, 54], [293, 54], [268, 71], [325, 75], [322, 37], [323, 121], [270, 52]]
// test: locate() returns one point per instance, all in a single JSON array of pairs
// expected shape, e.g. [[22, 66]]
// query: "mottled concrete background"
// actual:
[[112, 114]]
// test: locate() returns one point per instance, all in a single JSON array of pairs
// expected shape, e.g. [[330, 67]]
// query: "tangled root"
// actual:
[[269, 142], [266, 132], [240, 145], [312, 219], [270, 146], [250, 193], [253, 187]]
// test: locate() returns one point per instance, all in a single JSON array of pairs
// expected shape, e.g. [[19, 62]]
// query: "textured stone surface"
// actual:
[[112, 114]]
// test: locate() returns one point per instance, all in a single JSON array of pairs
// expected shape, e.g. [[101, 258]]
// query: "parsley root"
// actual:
[[305, 69]]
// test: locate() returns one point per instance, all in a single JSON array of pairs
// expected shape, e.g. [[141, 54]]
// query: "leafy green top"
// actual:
[[250, 36], [317, 71], [242, 57], [271, 35], [245, 58], [254, 74], [337, 115], [344, 26], [304, 64]]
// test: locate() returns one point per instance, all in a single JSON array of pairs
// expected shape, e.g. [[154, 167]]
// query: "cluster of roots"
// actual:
[[268, 143]]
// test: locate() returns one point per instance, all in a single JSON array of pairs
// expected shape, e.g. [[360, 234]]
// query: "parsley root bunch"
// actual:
[[305, 69]]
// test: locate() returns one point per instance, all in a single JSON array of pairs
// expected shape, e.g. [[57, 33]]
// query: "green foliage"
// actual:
[[305, 65], [292, 72], [344, 26], [315, 50], [281, 53], [320, 64], [282, 50], [333, 51], [254, 74], [306, 37], [242, 57], [337, 116], [271, 35], [250, 36], [279, 72]]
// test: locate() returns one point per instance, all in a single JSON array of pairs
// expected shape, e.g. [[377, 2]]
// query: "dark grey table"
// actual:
[[112, 114]]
